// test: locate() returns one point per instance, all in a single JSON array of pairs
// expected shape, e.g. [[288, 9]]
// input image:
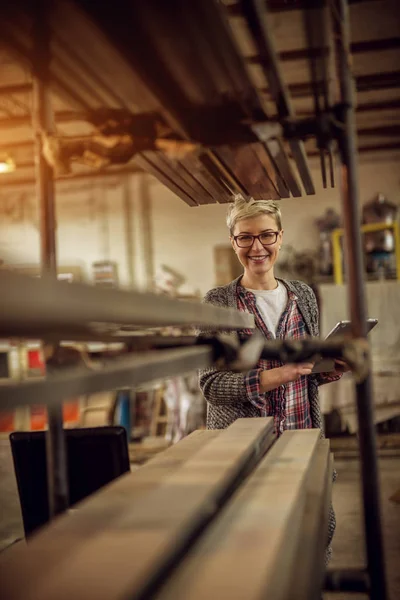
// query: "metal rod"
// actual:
[[358, 312], [154, 358], [60, 305], [125, 371], [331, 166], [323, 168], [56, 459]]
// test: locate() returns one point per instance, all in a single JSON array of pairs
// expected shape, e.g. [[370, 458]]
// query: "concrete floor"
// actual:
[[348, 546], [348, 543]]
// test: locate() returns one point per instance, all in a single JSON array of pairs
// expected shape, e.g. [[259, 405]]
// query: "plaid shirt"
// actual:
[[288, 404]]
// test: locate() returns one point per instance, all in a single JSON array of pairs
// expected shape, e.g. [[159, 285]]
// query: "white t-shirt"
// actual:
[[271, 304]]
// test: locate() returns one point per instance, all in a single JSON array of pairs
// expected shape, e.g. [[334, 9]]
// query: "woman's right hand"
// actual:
[[273, 378], [292, 372]]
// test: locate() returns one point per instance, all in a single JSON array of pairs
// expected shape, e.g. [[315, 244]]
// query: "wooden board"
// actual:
[[257, 177], [250, 549], [133, 539], [308, 573], [54, 543]]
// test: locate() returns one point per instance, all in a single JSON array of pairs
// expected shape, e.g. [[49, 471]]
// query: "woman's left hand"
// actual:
[[341, 366]]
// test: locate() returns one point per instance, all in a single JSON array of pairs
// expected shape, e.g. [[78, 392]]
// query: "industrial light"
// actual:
[[7, 164]]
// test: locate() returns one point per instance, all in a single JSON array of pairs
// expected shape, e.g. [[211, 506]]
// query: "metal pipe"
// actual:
[[331, 166], [56, 459], [125, 371], [60, 305], [358, 312]]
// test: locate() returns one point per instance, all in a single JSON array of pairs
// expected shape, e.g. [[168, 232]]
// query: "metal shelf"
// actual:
[[37, 305], [131, 370]]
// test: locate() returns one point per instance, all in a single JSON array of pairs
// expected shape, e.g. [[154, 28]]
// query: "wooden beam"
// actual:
[[24, 54], [9, 180], [380, 131], [356, 48], [66, 116], [278, 6], [288, 5], [364, 83], [250, 550], [20, 88], [307, 576], [258, 27], [369, 148], [125, 542], [361, 108], [145, 479], [250, 171], [148, 161]]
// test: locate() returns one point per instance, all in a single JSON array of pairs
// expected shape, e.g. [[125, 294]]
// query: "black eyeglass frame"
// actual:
[[256, 237]]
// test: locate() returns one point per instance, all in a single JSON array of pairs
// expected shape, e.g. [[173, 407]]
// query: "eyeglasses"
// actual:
[[245, 240]]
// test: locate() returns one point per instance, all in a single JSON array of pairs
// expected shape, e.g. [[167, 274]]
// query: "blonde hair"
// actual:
[[246, 209]]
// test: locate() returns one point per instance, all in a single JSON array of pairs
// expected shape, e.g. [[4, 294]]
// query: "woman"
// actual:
[[282, 309]]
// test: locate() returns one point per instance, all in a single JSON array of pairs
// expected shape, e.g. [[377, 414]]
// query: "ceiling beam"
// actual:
[[356, 48], [393, 146], [67, 116], [379, 147], [21, 145], [364, 83], [6, 180], [253, 10], [277, 6], [287, 5], [378, 106], [361, 108], [382, 130], [23, 54], [20, 88]]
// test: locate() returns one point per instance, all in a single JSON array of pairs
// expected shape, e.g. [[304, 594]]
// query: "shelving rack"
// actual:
[[206, 98]]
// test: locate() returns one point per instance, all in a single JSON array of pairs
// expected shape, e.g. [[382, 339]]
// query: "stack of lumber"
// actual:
[[225, 514]]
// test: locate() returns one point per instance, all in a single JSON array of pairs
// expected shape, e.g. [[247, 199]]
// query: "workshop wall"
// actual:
[[138, 223], [184, 237]]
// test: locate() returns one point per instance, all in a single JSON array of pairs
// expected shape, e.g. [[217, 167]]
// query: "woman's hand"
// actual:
[[273, 378], [292, 372], [341, 366]]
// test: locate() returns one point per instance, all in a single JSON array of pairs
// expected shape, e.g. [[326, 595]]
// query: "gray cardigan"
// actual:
[[225, 391]]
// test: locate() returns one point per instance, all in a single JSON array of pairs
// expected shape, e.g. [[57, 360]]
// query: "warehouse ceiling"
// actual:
[[202, 74]]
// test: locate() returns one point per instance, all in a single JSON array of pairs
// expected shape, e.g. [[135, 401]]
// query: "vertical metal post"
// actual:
[[55, 442], [358, 312]]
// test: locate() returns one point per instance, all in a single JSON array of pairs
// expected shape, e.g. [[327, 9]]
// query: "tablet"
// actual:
[[342, 328]]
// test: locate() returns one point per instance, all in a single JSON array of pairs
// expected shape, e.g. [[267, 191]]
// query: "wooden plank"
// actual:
[[248, 552], [136, 545], [185, 180], [149, 162], [215, 188], [54, 544], [265, 159], [277, 152], [258, 23], [250, 171], [307, 575]]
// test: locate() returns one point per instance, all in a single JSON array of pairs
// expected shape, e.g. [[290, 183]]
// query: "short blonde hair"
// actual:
[[246, 209]]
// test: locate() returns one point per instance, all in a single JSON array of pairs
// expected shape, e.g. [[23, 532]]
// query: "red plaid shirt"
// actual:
[[288, 404]]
